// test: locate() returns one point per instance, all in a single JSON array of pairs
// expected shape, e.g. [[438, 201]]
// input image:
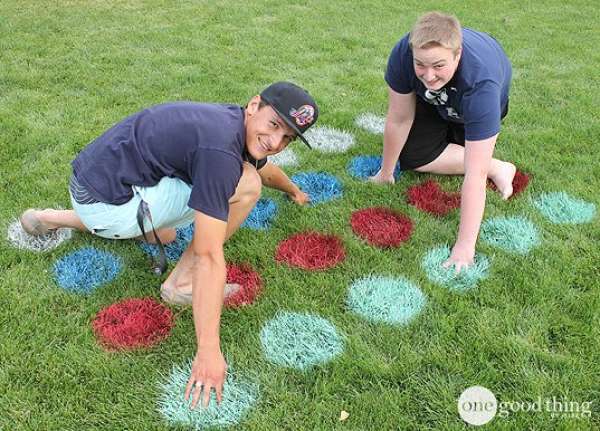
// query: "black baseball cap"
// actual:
[[293, 104]]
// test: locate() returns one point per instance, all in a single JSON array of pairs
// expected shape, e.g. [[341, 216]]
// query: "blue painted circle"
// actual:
[[86, 269], [321, 187], [363, 167], [262, 215]]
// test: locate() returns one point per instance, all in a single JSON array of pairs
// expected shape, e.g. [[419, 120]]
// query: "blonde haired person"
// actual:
[[448, 92]]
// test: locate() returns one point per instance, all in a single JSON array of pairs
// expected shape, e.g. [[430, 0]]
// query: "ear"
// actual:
[[253, 105], [458, 53]]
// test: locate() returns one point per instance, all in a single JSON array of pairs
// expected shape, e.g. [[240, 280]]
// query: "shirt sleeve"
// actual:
[[215, 177], [400, 71], [481, 111]]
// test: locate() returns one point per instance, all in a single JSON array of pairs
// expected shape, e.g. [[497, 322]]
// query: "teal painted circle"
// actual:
[[239, 396], [513, 234], [465, 280], [390, 300], [300, 341], [562, 208]]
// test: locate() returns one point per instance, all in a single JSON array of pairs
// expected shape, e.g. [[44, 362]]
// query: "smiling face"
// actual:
[[266, 132], [435, 66]]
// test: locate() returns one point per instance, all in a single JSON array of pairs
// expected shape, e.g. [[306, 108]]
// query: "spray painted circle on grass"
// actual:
[[240, 394], [363, 167], [300, 341], [175, 249], [22, 240], [512, 234], [396, 301], [86, 269], [329, 140], [562, 208], [519, 183], [262, 215], [371, 123], [132, 323], [465, 280], [250, 285], [285, 158], [381, 227], [321, 187], [429, 197], [311, 250]]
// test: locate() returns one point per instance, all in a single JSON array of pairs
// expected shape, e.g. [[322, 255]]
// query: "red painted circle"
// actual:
[[429, 197], [381, 227], [132, 323], [250, 285], [311, 250]]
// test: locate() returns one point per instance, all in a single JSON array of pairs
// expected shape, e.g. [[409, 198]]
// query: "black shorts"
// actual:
[[429, 136]]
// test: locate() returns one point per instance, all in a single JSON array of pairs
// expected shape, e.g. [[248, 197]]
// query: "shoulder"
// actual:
[[482, 60], [401, 49]]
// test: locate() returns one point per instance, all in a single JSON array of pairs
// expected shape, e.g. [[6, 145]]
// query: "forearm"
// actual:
[[471, 209], [273, 177], [394, 138], [208, 282]]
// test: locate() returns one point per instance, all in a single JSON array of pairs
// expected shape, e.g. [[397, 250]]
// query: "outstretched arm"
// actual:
[[273, 177], [399, 119], [208, 282], [478, 157]]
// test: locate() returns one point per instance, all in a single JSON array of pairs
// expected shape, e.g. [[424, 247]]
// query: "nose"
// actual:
[[429, 74], [280, 140]]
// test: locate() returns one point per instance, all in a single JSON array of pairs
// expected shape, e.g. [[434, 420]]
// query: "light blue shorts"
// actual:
[[167, 202]]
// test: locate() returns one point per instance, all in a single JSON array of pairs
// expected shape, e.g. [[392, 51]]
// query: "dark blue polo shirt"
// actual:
[[201, 144]]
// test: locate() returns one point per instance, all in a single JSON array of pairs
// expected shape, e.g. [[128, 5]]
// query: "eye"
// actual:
[[274, 124], [439, 66]]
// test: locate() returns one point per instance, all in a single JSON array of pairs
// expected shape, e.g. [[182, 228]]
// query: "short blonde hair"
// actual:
[[436, 29]]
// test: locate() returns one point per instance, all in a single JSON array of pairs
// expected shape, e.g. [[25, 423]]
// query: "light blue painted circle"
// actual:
[[512, 234], [240, 394], [393, 300], [299, 340], [562, 208], [465, 280]]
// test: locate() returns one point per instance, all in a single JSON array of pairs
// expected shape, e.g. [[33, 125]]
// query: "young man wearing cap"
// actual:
[[448, 91], [180, 162]]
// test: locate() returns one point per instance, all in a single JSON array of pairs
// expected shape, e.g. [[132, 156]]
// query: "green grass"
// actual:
[[70, 69]]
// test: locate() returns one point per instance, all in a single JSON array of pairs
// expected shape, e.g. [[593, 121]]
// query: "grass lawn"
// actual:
[[70, 69]]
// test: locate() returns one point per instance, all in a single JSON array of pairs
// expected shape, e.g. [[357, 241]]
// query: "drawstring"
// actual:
[[142, 212]]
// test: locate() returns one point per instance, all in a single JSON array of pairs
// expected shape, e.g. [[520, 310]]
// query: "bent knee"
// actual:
[[249, 186]]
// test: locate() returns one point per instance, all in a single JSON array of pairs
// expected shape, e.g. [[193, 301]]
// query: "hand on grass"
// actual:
[[381, 178], [461, 257], [300, 197], [208, 372]]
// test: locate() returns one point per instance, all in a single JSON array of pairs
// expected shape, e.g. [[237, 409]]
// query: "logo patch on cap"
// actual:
[[303, 115]]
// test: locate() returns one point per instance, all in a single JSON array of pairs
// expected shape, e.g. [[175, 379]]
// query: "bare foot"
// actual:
[[184, 296], [503, 177]]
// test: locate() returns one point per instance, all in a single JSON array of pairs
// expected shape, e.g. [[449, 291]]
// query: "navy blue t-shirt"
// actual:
[[201, 144], [477, 94]]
